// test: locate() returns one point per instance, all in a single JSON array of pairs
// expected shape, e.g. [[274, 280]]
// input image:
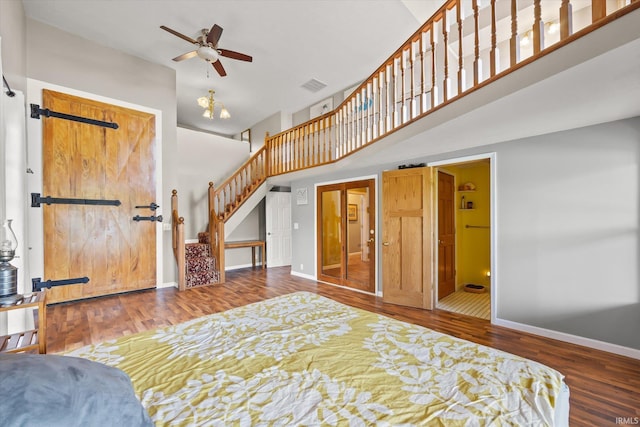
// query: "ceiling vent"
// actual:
[[314, 85]]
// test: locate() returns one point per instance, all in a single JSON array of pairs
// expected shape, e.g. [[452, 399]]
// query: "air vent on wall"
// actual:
[[314, 85]]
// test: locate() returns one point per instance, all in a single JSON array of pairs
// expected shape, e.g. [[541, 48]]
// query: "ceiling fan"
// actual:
[[208, 48]]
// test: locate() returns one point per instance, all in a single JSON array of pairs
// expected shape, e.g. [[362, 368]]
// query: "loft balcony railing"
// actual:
[[465, 45]]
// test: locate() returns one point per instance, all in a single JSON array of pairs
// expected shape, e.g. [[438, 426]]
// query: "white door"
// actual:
[[278, 222]]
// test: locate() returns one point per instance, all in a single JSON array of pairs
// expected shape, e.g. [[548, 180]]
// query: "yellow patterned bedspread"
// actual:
[[302, 359]]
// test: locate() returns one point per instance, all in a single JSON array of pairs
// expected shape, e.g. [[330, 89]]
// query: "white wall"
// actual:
[[63, 61], [13, 33], [13, 67], [272, 124], [568, 215], [203, 158]]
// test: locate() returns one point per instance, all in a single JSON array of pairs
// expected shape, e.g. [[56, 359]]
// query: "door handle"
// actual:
[[371, 240], [385, 243], [151, 206], [148, 218]]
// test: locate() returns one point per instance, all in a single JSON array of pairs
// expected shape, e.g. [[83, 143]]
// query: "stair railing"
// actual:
[[177, 239], [233, 192], [455, 52]]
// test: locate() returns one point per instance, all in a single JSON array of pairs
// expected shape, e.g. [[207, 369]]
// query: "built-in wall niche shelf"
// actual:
[[467, 186], [466, 204]]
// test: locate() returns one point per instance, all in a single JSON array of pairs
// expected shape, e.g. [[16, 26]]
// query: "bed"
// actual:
[[303, 359]]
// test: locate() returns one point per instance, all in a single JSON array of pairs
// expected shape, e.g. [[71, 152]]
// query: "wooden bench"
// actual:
[[253, 244]]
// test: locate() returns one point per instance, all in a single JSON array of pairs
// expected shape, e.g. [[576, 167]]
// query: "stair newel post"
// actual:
[[174, 213], [177, 240], [267, 163], [212, 219], [212, 195], [181, 255], [220, 248]]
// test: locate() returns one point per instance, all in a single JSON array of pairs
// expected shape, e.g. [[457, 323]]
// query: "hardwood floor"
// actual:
[[605, 388]]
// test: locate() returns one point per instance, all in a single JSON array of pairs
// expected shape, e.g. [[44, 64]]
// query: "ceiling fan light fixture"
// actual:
[[208, 53]]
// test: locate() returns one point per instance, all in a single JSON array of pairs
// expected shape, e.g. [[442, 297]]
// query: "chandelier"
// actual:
[[208, 103]]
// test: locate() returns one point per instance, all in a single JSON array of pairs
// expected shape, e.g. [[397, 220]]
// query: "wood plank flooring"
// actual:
[[605, 388]]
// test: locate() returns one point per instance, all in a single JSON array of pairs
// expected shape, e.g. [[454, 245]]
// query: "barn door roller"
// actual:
[[36, 112]]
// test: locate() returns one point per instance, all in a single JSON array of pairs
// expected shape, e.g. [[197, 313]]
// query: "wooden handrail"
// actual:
[[437, 65], [177, 240], [232, 193]]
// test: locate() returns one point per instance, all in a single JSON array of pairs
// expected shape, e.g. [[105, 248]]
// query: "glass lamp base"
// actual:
[[10, 300]]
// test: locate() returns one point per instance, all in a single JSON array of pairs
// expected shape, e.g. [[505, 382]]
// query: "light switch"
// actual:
[[295, 225]]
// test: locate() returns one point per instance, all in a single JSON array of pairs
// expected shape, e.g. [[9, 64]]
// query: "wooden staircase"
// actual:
[[202, 263], [200, 266]]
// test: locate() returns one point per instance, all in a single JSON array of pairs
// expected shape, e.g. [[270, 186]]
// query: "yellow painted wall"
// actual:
[[473, 245]]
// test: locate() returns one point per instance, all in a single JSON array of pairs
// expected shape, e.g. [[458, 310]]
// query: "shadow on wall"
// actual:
[[615, 325]]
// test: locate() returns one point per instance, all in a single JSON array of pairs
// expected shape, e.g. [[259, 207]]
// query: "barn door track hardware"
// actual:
[[37, 284], [36, 200], [36, 112]]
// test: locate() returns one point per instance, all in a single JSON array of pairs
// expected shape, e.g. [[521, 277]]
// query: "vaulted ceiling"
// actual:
[[337, 42]]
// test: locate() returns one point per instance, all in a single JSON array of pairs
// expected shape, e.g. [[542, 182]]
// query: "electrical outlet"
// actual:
[[301, 267]]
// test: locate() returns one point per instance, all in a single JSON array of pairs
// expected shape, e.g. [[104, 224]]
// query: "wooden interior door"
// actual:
[[406, 237], [446, 235], [346, 234], [84, 161]]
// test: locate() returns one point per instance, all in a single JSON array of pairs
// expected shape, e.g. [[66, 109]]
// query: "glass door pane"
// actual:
[[358, 237], [331, 233]]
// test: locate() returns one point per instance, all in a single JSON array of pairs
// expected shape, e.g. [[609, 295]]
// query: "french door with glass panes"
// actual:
[[346, 234]]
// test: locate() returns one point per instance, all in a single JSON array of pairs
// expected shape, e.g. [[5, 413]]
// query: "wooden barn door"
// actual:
[[84, 161]]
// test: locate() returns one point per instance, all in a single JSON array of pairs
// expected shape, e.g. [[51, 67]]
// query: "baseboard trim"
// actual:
[[573, 339], [238, 267], [304, 276], [167, 285]]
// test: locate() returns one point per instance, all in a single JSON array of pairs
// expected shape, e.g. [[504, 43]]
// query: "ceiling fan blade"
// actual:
[[219, 68], [214, 35], [235, 55], [187, 55], [182, 36]]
